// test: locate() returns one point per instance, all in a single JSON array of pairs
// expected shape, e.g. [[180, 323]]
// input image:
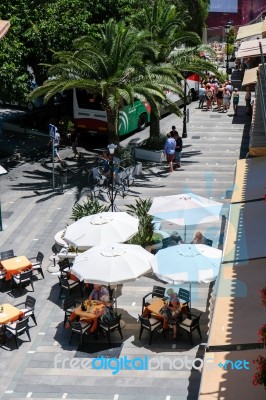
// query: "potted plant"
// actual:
[[259, 377], [151, 149], [145, 236], [263, 296]]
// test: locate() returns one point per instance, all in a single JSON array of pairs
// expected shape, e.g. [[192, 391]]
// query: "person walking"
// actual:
[[219, 97], [173, 132], [248, 100], [202, 95], [226, 100], [209, 96], [56, 144], [169, 150], [235, 96], [178, 148]]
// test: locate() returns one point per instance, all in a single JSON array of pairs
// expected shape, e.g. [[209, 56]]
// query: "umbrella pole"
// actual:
[[185, 234], [190, 296], [113, 291]]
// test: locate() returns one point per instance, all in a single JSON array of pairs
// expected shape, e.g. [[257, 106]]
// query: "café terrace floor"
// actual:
[[33, 214]]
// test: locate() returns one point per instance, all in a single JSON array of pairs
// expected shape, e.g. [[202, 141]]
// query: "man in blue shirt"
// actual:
[[98, 292], [169, 150]]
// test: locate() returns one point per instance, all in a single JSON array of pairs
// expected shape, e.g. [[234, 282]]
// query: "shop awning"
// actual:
[[238, 312], [245, 232], [250, 48], [223, 379], [250, 76], [249, 30], [250, 180], [264, 29], [4, 26]]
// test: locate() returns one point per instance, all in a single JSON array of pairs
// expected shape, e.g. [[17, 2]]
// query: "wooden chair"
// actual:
[[18, 328], [29, 307], [22, 279], [150, 324], [189, 325], [79, 328], [37, 264], [110, 326]]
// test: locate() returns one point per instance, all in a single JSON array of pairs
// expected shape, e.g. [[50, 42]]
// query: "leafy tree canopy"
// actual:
[[198, 11], [40, 27]]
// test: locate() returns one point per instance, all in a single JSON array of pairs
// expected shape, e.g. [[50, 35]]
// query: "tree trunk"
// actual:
[[112, 127], [154, 125]]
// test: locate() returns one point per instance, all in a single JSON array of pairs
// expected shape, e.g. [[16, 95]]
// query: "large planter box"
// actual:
[[150, 155]]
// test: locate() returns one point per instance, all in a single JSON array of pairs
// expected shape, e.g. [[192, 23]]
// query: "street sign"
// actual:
[[52, 131]]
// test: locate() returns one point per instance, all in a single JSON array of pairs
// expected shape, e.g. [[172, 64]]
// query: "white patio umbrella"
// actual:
[[186, 209], [101, 229], [112, 264], [187, 263]]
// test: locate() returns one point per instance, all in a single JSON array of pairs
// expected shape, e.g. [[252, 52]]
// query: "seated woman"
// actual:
[[106, 302], [199, 238], [107, 312], [171, 311]]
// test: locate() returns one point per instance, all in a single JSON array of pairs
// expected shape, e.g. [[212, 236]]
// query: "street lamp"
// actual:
[[184, 133], [2, 172], [111, 147], [227, 28]]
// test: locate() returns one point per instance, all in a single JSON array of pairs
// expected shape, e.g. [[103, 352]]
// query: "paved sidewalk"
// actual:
[[33, 214]]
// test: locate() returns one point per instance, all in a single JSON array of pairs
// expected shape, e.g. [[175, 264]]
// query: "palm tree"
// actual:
[[113, 66], [165, 25], [188, 59]]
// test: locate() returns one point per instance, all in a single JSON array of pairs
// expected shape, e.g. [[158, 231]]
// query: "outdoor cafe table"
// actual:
[[15, 265], [94, 310], [9, 313], [156, 304]]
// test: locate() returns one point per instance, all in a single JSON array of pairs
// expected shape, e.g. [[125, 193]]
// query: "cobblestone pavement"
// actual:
[[33, 213]]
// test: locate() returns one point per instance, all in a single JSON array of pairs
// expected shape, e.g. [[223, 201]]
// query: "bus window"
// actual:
[[88, 101]]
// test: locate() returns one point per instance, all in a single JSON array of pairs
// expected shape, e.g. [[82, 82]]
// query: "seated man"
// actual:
[[176, 238], [97, 292]]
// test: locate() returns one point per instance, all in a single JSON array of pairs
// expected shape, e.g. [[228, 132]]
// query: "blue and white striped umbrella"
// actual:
[[187, 263]]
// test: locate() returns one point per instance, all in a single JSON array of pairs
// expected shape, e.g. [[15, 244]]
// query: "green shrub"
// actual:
[[89, 207], [145, 234], [126, 155]]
